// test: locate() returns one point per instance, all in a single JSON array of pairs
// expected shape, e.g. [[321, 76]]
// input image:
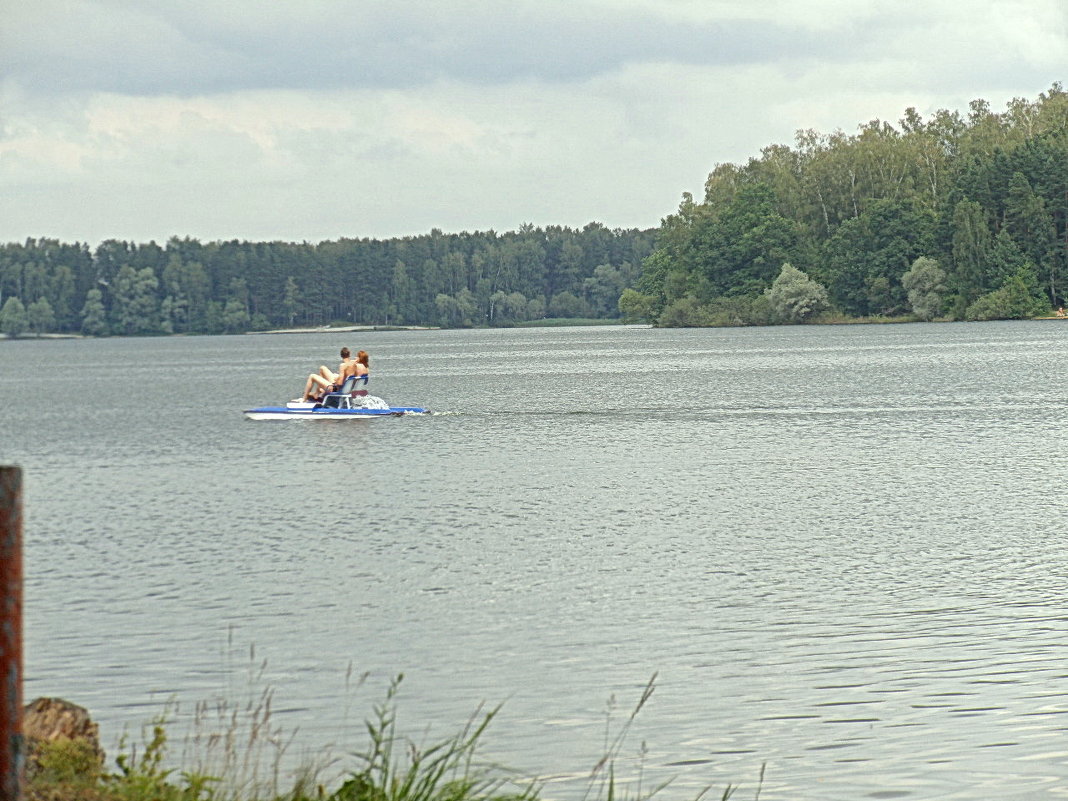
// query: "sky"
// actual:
[[312, 120]]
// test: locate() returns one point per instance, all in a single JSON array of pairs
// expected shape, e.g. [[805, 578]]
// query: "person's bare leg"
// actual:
[[310, 387], [315, 387]]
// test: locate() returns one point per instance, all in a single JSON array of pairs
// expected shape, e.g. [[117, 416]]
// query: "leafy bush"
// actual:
[[73, 764], [635, 307], [1013, 301], [795, 297], [925, 282], [686, 312]]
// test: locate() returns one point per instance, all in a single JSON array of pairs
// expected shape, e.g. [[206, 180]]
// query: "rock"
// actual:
[[46, 720]]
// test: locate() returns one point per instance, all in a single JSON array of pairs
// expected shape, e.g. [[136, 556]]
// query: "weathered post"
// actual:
[[11, 745]]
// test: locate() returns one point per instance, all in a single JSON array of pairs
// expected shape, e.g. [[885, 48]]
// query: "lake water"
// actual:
[[841, 549]]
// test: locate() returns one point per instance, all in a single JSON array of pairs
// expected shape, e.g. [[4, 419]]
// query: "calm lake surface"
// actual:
[[842, 550]]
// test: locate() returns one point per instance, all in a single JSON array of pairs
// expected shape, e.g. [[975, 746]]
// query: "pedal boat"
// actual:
[[347, 403]]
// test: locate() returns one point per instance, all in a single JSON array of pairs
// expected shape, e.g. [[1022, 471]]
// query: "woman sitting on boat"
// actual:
[[318, 385], [363, 364]]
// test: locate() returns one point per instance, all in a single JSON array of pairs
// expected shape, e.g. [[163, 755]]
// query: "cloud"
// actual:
[[147, 48], [140, 119]]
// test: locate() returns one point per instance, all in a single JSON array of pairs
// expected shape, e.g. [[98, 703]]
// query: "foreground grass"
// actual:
[[234, 754]]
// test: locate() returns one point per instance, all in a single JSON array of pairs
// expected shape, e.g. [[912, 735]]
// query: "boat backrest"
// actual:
[[346, 386], [340, 398]]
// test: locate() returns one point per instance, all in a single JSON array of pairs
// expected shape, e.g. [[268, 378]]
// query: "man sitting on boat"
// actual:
[[319, 382], [323, 382]]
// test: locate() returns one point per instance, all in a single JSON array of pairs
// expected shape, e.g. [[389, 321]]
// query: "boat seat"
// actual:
[[340, 398], [362, 381]]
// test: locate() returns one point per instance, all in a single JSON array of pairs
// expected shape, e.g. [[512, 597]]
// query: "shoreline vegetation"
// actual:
[[234, 752], [829, 319], [549, 322], [962, 215], [957, 216]]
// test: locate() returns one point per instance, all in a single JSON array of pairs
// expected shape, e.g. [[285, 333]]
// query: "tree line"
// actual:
[[958, 216], [437, 279], [961, 217]]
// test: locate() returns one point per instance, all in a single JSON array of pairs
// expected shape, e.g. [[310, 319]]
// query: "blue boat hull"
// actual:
[[321, 413]]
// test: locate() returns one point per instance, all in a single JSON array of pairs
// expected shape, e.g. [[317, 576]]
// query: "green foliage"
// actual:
[[866, 256], [291, 301], [12, 317], [1016, 300], [856, 212], [925, 282], [135, 306], [72, 769], [794, 297], [398, 769], [142, 775], [227, 751], [219, 287], [567, 304], [235, 317], [686, 312], [94, 315], [983, 193], [971, 250], [728, 311], [605, 287], [39, 316], [636, 307], [455, 312], [66, 763]]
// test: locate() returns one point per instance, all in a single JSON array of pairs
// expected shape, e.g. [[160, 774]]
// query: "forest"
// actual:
[[960, 216], [954, 217], [438, 279]]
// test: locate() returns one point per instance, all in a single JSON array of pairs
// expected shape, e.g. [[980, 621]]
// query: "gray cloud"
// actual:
[[310, 119], [171, 48]]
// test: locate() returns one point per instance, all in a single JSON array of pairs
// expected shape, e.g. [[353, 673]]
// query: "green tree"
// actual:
[[235, 317], [925, 283], [794, 297], [402, 291], [738, 249], [535, 309], [1013, 301], [686, 312], [513, 307], [291, 300], [971, 251], [635, 307], [94, 315], [603, 289], [1032, 227], [566, 304], [135, 307], [13, 317], [497, 314], [61, 296], [213, 318], [235, 312], [455, 311], [1007, 260], [865, 258], [39, 316]]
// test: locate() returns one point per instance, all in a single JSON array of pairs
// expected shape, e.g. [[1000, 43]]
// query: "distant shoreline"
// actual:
[[345, 329], [348, 329]]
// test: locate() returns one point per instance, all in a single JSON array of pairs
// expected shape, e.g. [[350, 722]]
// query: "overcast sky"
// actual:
[[307, 120]]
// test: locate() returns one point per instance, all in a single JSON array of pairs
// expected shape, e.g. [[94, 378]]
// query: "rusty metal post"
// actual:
[[11, 744]]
